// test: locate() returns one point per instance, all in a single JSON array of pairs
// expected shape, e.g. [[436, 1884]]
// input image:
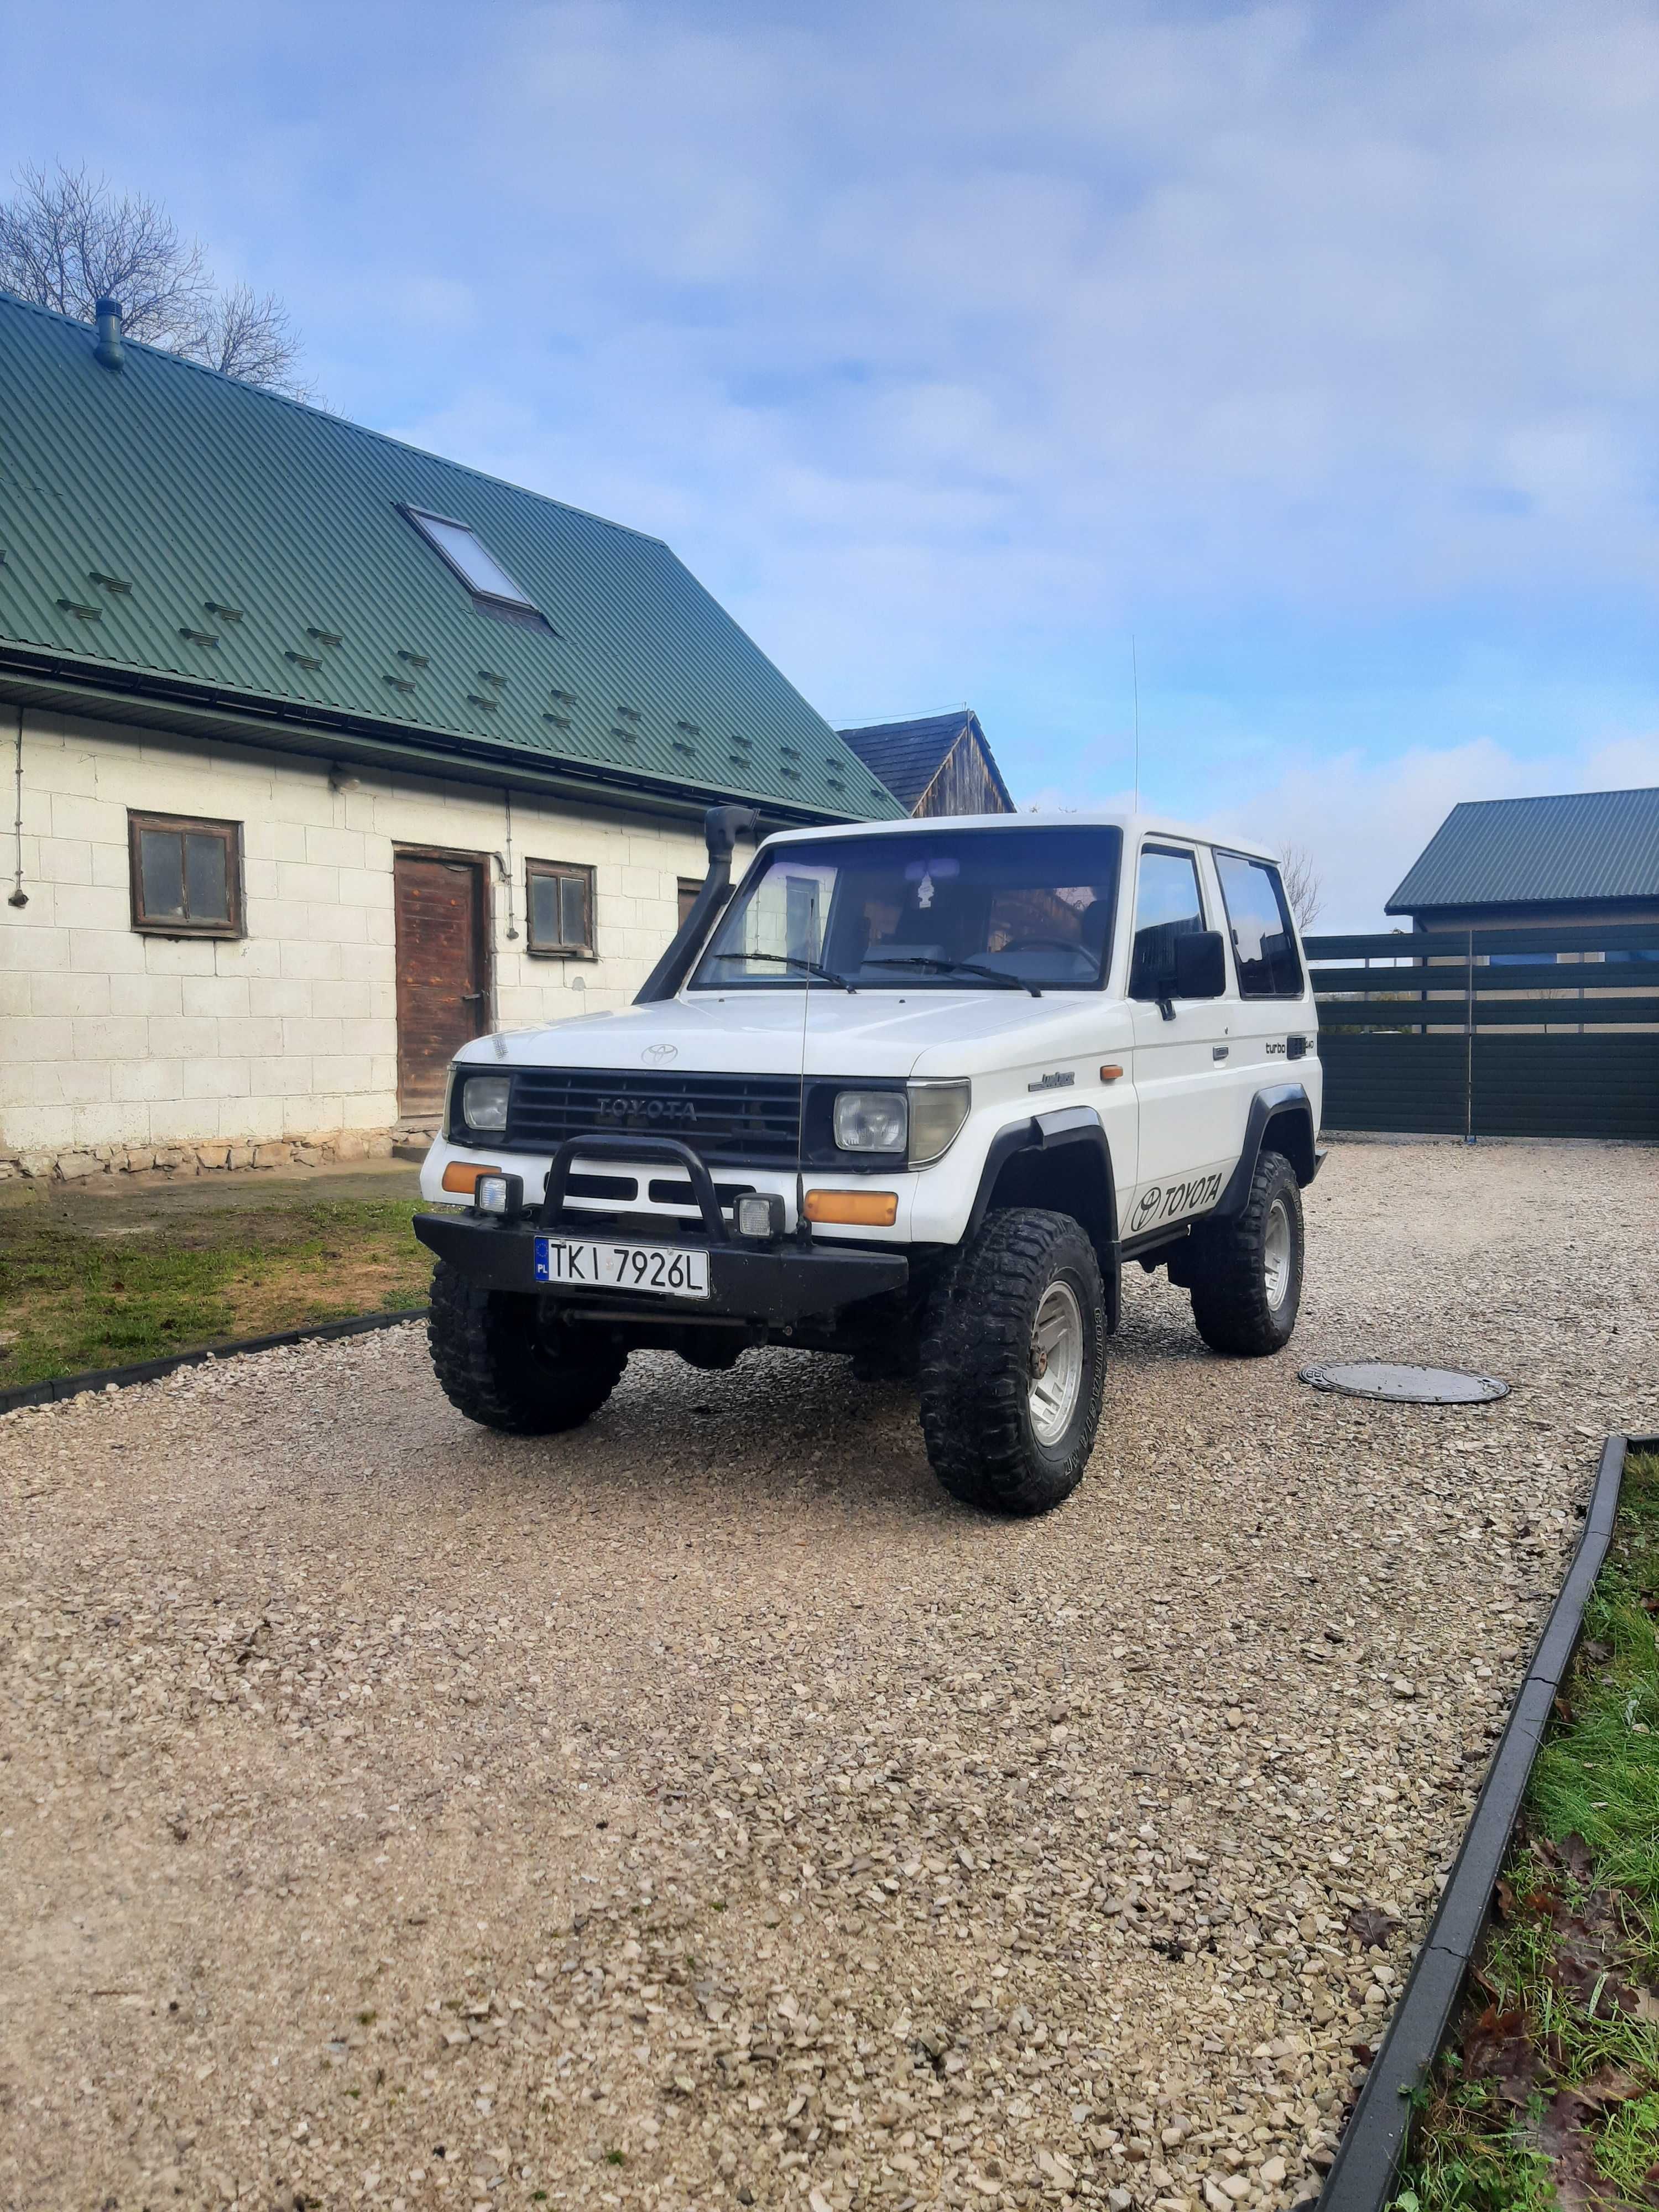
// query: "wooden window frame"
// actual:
[[687, 890], [228, 833], [561, 870]]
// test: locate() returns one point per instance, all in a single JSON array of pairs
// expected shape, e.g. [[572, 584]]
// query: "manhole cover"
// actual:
[[1407, 1386]]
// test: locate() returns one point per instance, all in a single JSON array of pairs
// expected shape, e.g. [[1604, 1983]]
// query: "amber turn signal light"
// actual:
[[461, 1175], [864, 1209], [1109, 1074]]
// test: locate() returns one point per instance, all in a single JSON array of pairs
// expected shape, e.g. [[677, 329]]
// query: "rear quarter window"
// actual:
[[1259, 917]]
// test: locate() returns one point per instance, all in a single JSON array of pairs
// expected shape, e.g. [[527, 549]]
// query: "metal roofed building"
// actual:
[[329, 754], [1579, 861], [1503, 863], [936, 764]]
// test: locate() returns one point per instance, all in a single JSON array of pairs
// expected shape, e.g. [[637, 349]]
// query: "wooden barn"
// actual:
[[937, 764]]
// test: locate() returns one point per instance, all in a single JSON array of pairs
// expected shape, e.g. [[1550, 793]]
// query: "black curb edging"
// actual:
[[1374, 2143], [56, 1388]]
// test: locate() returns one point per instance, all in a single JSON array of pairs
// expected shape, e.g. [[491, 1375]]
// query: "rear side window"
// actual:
[[1264, 943], [1167, 906]]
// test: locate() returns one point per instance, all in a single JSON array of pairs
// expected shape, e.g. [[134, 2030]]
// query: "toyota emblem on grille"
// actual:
[[631, 1109], [661, 1055]]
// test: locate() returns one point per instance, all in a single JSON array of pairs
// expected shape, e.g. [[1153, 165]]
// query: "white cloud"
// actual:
[[1365, 822], [948, 341], [1090, 313]]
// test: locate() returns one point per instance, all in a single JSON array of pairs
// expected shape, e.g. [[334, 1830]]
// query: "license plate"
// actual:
[[593, 1264]]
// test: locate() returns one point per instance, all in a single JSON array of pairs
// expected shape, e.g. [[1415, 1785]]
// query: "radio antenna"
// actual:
[[803, 1226], [1134, 672]]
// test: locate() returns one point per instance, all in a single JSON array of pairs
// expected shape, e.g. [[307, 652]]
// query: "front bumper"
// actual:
[[774, 1284]]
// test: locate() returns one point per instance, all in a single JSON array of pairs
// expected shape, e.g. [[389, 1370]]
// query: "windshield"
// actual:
[[955, 909]]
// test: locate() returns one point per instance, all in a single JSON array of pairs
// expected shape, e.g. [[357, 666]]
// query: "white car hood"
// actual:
[[870, 1033]]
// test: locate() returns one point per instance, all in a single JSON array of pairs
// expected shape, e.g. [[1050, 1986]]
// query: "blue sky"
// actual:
[[953, 344]]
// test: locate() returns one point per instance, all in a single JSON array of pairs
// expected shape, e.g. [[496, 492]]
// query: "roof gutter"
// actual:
[[50, 681], [1497, 914]]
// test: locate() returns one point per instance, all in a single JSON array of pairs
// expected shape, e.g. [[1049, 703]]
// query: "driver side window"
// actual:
[[1168, 905]]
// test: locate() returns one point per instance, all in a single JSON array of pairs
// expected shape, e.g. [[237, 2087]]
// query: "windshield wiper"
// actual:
[[959, 967], [793, 960]]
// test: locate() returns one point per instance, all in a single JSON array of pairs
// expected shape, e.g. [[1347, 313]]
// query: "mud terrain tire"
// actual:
[[1246, 1273], [1022, 1307], [497, 1365]]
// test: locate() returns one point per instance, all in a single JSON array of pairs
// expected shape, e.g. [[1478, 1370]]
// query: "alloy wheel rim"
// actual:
[[1276, 1253], [1056, 1362]]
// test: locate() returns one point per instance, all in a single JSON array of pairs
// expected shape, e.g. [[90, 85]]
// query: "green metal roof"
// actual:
[[1521, 852], [170, 531]]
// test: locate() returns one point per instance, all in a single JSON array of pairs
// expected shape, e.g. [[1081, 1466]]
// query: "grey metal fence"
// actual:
[[1550, 1032]]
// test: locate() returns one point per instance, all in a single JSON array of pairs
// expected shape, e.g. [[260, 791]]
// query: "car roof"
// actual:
[[1132, 825]]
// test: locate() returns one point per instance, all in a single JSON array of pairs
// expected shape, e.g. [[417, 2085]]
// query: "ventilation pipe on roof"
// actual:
[[108, 350]]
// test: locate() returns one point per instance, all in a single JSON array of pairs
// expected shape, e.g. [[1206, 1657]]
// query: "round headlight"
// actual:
[[484, 1101], [871, 1120]]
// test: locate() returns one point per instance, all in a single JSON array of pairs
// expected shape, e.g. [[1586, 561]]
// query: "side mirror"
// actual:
[[1200, 965]]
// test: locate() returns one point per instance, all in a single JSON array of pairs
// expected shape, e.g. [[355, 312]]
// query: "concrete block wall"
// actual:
[[114, 1044]]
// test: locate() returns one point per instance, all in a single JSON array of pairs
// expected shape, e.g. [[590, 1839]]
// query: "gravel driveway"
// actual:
[[703, 1810]]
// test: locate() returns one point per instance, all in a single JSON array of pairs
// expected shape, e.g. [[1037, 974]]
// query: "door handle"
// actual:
[[470, 998], [1219, 1051]]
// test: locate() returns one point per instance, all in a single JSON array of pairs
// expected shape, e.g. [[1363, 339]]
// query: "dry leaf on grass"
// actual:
[[1560, 2134], [1499, 2048]]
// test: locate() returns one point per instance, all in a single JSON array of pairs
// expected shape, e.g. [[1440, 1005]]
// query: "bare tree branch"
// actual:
[[1304, 885], [248, 336], [66, 241]]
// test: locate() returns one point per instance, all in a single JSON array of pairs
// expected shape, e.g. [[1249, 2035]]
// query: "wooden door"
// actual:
[[443, 985]]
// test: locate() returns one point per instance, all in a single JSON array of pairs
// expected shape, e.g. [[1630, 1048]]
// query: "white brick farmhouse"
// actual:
[[327, 754]]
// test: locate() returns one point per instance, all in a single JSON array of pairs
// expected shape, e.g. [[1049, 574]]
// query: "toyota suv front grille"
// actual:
[[754, 1119]]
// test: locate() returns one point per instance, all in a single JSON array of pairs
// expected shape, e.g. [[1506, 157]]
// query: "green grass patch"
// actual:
[[80, 1291], [1548, 2094]]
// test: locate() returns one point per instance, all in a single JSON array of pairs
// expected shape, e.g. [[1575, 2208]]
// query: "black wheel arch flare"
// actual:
[[1020, 1161], [1285, 1110]]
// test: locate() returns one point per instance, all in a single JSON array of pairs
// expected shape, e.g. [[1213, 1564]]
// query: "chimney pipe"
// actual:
[[108, 348]]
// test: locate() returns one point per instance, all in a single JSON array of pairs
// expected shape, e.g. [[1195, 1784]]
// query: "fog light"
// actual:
[[500, 1194], [759, 1214]]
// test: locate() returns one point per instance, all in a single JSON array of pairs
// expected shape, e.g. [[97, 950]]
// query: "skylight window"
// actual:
[[492, 587]]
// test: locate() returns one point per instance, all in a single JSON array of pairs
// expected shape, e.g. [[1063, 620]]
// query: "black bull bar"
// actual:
[[776, 1282]]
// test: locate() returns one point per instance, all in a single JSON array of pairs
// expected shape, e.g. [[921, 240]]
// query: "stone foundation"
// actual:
[[334, 1148]]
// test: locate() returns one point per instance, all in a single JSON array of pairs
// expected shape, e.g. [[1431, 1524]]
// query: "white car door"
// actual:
[[1182, 1083]]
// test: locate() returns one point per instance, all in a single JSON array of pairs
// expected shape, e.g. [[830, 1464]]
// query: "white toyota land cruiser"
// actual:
[[915, 1092]]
